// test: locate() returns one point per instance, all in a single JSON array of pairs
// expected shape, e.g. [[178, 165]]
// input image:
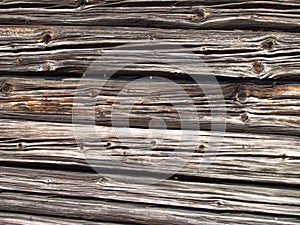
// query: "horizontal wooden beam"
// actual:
[[236, 157], [225, 53], [53, 193], [280, 15], [246, 106]]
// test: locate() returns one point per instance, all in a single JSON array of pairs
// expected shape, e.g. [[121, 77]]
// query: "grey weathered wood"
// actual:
[[238, 157], [46, 176], [73, 49], [146, 3], [41, 3], [96, 211], [52, 192], [266, 14], [13, 218]]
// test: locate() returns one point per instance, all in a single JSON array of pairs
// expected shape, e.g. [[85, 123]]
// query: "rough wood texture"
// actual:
[[250, 107], [245, 158], [13, 218], [281, 15], [226, 53], [251, 47], [51, 192]]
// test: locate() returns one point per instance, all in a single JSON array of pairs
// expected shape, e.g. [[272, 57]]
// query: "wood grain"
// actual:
[[39, 4], [247, 107], [56, 172], [13, 218], [233, 157], [200, 15], [47, 192], [73, 49]]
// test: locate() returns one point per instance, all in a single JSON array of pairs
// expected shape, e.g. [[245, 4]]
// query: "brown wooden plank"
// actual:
[[247, 106]]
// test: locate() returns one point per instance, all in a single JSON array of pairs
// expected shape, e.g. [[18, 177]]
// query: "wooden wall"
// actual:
[[252, 47]]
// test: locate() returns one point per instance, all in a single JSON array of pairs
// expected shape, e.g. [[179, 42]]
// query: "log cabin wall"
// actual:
[[251, 47]]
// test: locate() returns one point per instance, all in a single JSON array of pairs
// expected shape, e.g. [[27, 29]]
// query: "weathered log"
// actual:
[[46, 192], [230, 15], [73, 49], [248, 107], [241, 157]]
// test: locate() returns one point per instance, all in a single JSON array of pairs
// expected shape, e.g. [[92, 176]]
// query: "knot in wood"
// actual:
[[20, 146], [200, 148], [47, 38], [12, 45], [108, 145], [19, 61], [199, 15], [102, 180], [99, 114], [242, 95], [6, 87], [258, 67], [268, 44], [48, 181], [47, 67], [244, 117], [220, 203]]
